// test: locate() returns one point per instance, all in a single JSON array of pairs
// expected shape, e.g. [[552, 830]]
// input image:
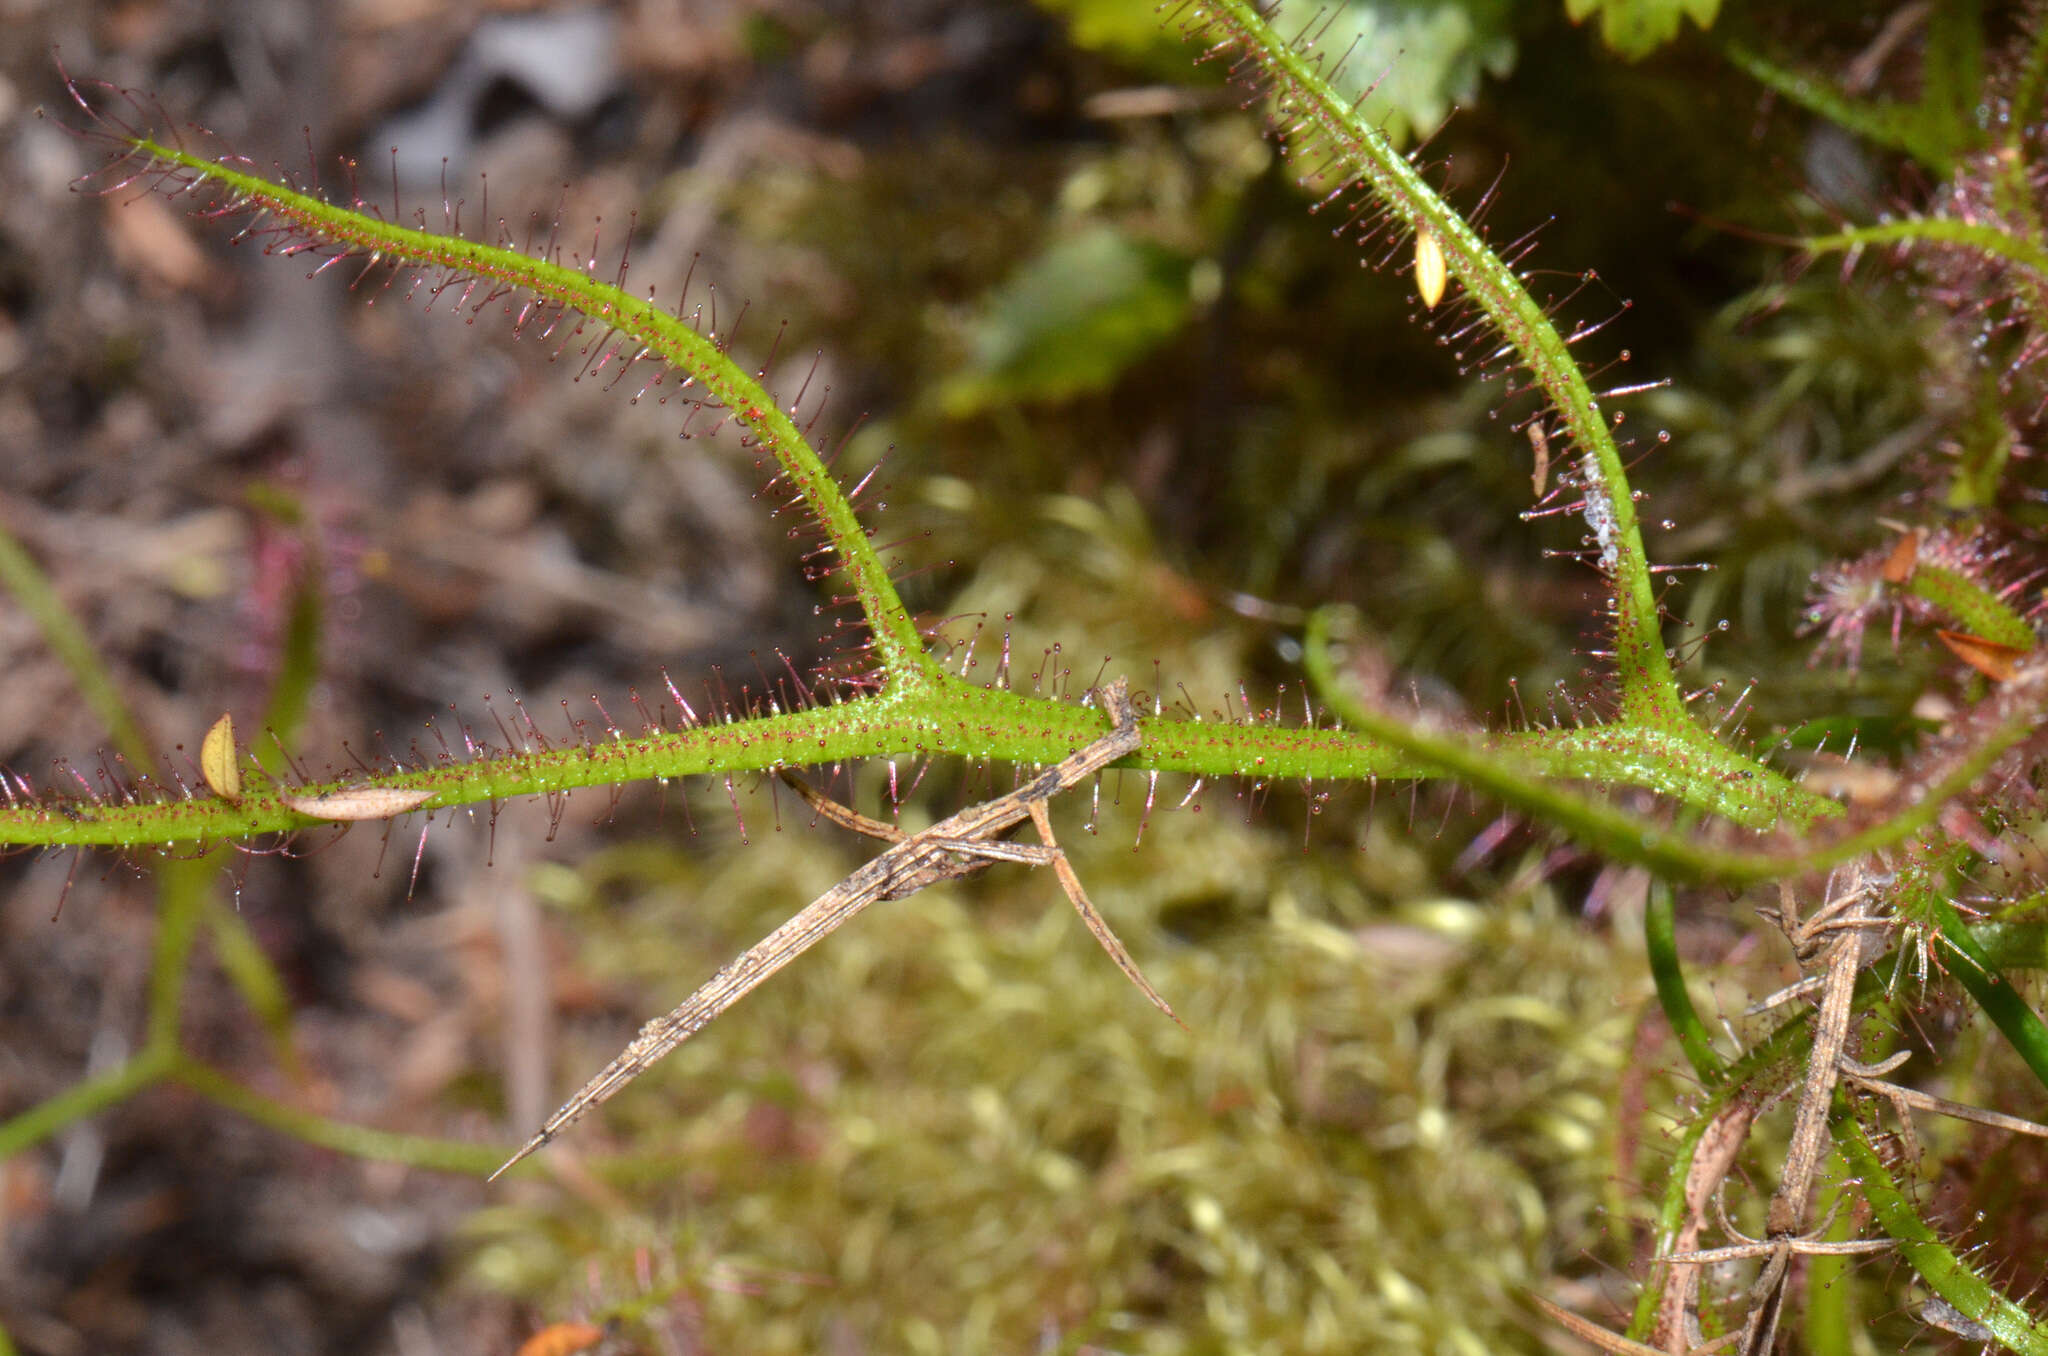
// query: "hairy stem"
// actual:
[[1306, 105], [311, 225], [1945, 1273]]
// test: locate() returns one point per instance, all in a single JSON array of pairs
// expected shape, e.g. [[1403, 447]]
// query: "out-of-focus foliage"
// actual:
[[1636, 28], [1129, 30], [1947, 115], [1072, 320], [1420, 58]]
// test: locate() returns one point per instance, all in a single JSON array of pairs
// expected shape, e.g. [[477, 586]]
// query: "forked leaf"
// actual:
[[361, 802], [217, 760]]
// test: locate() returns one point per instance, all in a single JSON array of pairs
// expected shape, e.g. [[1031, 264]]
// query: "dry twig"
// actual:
[[1834, 938], [960, 845]]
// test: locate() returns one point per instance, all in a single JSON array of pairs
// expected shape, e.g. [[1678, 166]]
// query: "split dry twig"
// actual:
[[1678, 1323], [1600, 1337], [1834, 944], [965, 843], [1904, 1099], [1836, 939]]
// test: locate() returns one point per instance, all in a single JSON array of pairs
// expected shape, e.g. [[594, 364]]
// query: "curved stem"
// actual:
[[83, 1099], [1946, 1274], [417, 1151], [2025, 255], [1977, 972], [1660, 940], [31, 587], [1306, 104], [307, 224]]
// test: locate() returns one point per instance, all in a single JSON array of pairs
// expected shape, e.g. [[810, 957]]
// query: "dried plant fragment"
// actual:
[[1833, 940], [1939, 1313], [1904, 1101], [1539, 442], [955, 846], [361, 802], [1678, 1320], [1587, 1330], [217, 761]]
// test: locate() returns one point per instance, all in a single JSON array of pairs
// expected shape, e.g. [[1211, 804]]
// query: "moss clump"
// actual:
[[957, 1129]]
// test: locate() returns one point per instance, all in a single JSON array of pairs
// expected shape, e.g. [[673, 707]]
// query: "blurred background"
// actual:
[[1129, 397]]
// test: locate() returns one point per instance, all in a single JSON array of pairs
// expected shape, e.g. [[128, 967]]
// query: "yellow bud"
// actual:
[[1430, 274], [217, 760]]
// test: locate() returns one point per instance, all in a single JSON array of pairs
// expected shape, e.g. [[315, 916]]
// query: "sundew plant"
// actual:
[[1669, 1006]]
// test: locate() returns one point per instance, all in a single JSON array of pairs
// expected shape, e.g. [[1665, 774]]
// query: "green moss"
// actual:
[[957, 1127]]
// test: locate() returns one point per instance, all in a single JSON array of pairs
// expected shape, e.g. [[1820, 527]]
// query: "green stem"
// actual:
[[83, 1099], [418, 1151], [298, 669], [1306, 104], [645, 329], [255, 978], [184, 890], [1946, 1274], [1671, 1211], [1825, 1328], [31, 587], [2020, 1024], [1929, 135], [1979, 236], [948, 716], [2025, 256], [1660, 941]]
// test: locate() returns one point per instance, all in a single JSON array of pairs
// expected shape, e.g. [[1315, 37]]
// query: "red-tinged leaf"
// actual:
[[1898, 566], [1995, 661]]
